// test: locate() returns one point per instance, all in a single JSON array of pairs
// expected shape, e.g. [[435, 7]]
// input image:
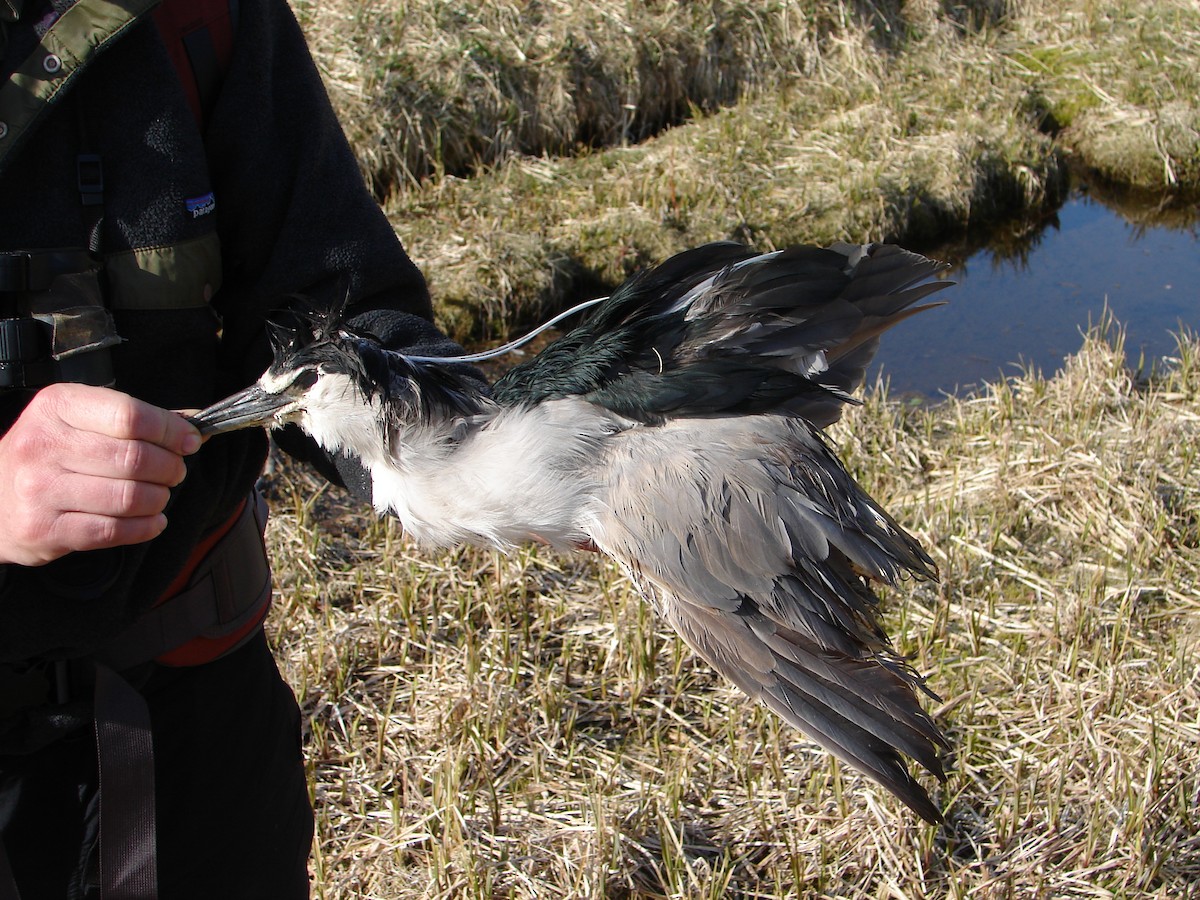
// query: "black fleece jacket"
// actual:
[[293, 218]]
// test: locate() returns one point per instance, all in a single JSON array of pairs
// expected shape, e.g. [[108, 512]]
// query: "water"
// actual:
[[1025, 299]]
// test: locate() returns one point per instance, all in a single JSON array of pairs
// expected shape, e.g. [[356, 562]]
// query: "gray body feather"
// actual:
[[758, 548]]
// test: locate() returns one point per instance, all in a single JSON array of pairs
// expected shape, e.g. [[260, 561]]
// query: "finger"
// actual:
[[187, 415], [70, 494], [102, 457], [111, 497], [36, 540], [113, 414], [88, 531]]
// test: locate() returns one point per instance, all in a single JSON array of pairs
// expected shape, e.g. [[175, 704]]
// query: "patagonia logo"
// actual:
[[202, 205]]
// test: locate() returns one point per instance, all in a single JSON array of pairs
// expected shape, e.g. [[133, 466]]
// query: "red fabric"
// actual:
[[200, 650], [178, 18]]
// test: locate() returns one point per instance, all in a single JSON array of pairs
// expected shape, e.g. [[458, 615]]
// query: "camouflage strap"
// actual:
[[66, 49], [55, 326]]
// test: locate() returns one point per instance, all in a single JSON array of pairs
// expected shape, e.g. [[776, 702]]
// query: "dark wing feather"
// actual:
[[621, 333], [720, 330]]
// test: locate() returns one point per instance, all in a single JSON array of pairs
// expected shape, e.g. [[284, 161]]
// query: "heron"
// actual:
[[678, 429]]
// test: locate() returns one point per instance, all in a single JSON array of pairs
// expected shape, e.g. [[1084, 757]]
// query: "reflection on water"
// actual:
[[1025, 297]]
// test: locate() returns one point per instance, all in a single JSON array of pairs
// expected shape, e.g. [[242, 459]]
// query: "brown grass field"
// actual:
[[490, 726], [487, 726]]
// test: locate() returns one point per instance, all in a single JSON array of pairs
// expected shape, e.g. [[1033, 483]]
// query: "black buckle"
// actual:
[[26, 271], [34, 684], [14, 271], [90, 172], [22, 340], [24, 354]]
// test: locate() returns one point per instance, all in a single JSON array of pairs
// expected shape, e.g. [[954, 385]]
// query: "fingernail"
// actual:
[[191, 443]]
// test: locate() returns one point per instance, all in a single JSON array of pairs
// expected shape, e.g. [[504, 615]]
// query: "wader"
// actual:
[[56, 326]]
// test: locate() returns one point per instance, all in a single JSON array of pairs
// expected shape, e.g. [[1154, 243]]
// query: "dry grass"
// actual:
[[428, 88], [859, 153], [431, 88], [1121, 81], [485, 726]]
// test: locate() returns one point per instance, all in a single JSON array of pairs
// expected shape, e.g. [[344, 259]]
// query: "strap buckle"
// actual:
[[90, 172], [35, 270], [15, 269], [24, 354]]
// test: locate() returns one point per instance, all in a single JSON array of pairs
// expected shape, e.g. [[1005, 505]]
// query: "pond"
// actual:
[[1025, 297]]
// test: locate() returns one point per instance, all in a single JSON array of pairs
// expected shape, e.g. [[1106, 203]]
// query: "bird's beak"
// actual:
[[248, 408]]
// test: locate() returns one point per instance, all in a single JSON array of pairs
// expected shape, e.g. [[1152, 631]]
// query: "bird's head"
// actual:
[[344, 389]]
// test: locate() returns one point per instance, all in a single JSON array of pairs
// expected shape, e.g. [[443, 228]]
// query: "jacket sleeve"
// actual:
[[295, 217]]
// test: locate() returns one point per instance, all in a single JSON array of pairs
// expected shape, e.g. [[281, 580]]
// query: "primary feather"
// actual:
[[678, 431]]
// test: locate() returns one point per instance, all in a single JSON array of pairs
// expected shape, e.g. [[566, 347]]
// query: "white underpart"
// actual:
[[508, 477], [525, 474], [336, 416]]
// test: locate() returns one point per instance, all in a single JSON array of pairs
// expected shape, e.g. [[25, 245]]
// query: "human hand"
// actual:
[[84, 468]]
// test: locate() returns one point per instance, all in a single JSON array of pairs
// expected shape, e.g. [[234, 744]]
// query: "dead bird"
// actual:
[[677, 430]]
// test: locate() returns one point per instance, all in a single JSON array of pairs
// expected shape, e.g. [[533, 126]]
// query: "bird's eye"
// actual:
[[305, 379]]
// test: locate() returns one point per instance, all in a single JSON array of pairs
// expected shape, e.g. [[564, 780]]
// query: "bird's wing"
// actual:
[[640, 318], [759, 548], [720, 330]]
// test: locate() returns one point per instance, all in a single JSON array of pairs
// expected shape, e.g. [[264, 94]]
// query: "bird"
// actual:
[[678, 430]]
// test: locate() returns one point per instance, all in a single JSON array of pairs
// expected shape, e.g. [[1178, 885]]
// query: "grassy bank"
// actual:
[[485, 727], [482, 726], [528, 149]]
